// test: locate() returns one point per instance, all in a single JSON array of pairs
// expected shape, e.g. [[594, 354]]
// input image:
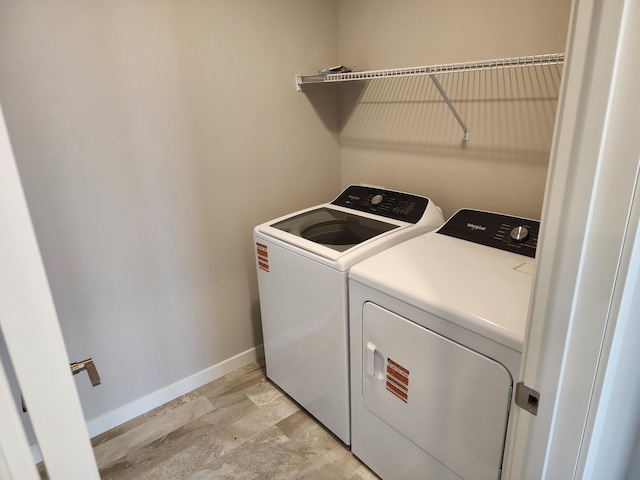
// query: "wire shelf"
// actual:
[[433, 70], [493, 64]]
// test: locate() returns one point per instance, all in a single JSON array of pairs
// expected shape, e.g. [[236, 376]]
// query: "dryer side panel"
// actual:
[[446, 399]]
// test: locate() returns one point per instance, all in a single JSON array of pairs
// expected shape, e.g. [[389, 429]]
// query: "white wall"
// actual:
[[393, 137], [151, 137]]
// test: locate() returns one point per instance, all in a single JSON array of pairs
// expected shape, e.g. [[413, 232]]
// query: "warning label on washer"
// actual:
[[398, 380], [263, 256]]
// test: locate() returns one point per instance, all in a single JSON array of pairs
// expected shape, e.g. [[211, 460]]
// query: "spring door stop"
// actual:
[[76, 368]]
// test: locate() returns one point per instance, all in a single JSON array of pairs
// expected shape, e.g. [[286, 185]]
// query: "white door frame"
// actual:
[[34, 340], [16, 461], [587, 266]]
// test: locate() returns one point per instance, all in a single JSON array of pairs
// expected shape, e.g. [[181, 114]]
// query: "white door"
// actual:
[[32, 333], [578, 340], [448, 400]]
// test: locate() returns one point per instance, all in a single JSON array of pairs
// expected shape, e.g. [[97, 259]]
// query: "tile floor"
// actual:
[[238, 427]]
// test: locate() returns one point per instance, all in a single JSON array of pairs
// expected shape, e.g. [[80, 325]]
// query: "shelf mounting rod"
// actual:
[[465, 130]]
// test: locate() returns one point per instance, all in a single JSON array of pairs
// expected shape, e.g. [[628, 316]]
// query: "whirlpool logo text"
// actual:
[[473, 226]]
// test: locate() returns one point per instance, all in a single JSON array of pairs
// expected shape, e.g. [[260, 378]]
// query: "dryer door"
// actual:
[[451, 402]]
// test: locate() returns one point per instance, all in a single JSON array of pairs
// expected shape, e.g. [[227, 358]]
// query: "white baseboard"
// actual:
[[160, 397]]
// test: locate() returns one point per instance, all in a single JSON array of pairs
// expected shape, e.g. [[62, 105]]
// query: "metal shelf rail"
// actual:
[[432, 70]]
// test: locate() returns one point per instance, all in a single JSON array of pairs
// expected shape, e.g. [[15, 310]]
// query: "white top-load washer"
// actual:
[[437, 326], [303, 260]]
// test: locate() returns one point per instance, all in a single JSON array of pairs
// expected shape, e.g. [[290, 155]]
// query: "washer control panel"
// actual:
[[401, 206], [513, 234]]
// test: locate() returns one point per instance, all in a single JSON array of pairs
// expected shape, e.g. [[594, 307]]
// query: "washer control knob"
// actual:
[[376, 199], [519, 234]]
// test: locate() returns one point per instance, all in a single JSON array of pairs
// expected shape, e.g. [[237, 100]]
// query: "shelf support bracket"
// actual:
[[465, 130]]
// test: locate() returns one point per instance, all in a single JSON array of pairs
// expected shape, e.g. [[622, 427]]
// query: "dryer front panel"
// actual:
[[448, 400]]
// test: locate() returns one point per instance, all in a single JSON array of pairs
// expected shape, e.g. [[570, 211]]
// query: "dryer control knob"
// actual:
[[519, 234], [376, 199]]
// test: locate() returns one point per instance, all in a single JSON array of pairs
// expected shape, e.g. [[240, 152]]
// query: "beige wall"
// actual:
[[151, 136], [397, 134]]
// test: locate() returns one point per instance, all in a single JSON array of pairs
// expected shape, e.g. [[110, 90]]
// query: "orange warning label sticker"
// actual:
[[398, 380], [263, 256]]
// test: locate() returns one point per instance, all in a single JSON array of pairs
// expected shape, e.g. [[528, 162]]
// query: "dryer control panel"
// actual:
[[386, 203], [513, 234]]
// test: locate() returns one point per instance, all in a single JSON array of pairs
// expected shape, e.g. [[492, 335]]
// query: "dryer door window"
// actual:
[[450, 401]]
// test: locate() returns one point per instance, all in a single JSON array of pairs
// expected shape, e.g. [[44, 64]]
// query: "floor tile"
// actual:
[[238, 427]]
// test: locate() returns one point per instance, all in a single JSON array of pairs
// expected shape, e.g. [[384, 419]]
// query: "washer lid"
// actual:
[[333, 228], [374, 217]]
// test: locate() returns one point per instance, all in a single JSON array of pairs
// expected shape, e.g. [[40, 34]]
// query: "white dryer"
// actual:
[[437, 326], [303, 260]]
